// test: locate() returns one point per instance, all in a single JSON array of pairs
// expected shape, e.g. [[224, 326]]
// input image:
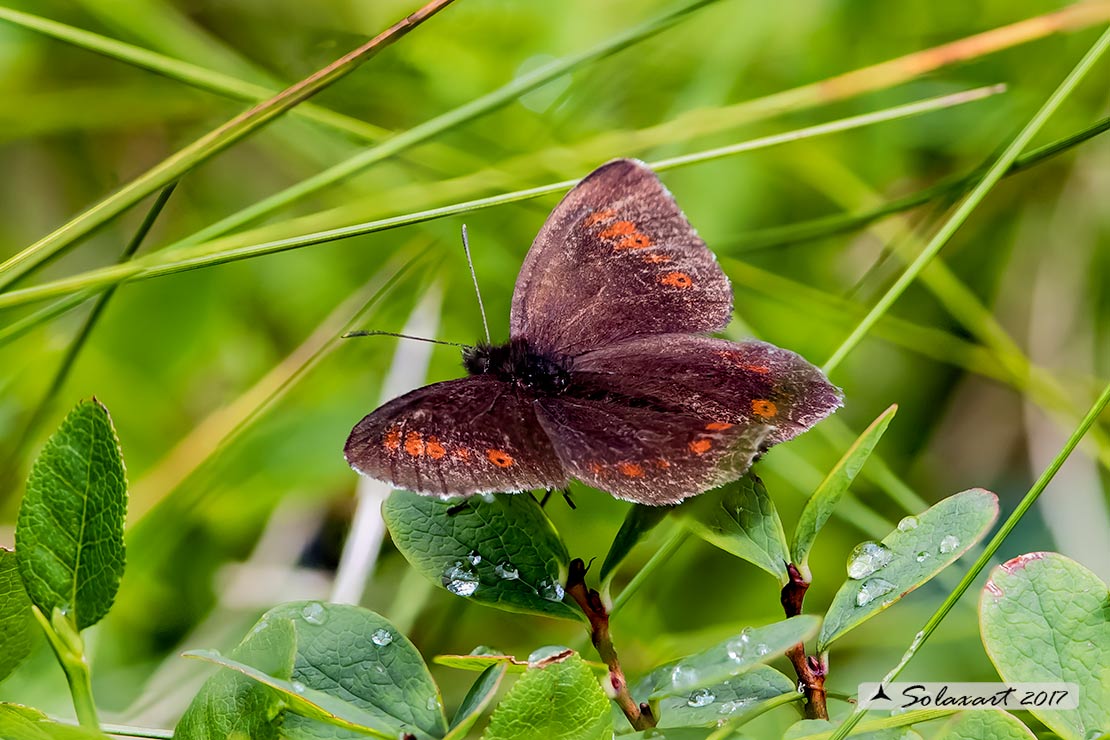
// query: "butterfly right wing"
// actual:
[[458, 437]]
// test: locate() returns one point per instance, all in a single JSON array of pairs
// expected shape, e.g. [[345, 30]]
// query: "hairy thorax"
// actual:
[[520, 364]]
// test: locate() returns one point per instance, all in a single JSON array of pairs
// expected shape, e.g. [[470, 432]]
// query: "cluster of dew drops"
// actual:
[[461, 578], [869, 557]]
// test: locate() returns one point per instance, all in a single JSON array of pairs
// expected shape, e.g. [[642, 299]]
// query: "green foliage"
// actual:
[[16, 621], [991, 724], [24, 723], [481, 695], [880, 574], [639, 521], [556, 700], [69, 537], [503, 552], [731, 700], [1044, 618]]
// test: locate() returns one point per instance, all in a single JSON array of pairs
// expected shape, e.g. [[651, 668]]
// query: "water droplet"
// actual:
[[460, 580], [474, 557], [866, 558], [907, 524], [298, 687], [1094, 735], [545, 652], [314, 613], [432, 703], [381, 637], [701, 698], [921, 556], [683, 676], [948, 544], [738, 647], [872, 589], [729, 707], [506, 571], [761, 649], [552, 590], [487, 497]]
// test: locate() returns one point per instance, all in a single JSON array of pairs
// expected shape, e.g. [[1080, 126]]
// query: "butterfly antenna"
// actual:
[[474, 277], [350, 334]]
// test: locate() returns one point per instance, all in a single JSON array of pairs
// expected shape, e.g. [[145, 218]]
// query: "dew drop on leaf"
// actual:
[[460, 580], [552, 590], [737, 648], [922, 556], [872, 589], [506, 571], [866, 558], [701, 698], [314, 613], [474, 557], [298, 687], [381, 637], [907, 524], [948, 544]]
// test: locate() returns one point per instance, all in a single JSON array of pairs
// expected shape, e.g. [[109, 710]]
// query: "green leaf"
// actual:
[[822, 729], [675, 733], [916, 551], [69, 535], [310, 703], [988, 724], [502, 552], [743, 652], [24, 723], [820, 505], [477, 700], [732, 699], [232, 705], [481, 661], [639, 520], [1044, 618], [358, 656], [559, 700], [741, 518], [16, 620]]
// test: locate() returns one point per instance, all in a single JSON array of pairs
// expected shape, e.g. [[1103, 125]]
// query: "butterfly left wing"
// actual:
[[458, 437], [647, 455]]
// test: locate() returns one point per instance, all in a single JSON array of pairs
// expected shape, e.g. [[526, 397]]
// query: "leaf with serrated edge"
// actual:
[[741, 518], [504, 552], [730, 699], [360, 657], [639, 520], [476, 701], [229, 704], [1044, 618], [69, 535], [985, 724], [16, 620], [559, 700], [942, 534], [820, 505], [743, 652]]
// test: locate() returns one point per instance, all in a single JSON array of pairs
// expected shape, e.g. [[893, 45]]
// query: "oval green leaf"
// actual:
[[637, 523], [752, 647], [477, 700], [559, 700], [502, 552], [740, 518], [987, 724], [24, 723], [1044, 618], [16, 620], [820, 505], [729, 701], [69, 535], [919, 549]]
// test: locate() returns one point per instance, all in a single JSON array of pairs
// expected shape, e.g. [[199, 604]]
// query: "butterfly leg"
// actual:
[[546, 496], [458, 508], [567, 498]]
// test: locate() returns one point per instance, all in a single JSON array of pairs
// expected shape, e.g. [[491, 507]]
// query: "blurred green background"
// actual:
[[1009, 335]]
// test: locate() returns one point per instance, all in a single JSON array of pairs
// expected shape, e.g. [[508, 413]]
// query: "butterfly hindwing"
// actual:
[[617, 259], [644, 454], [458, 437], [741, 383]]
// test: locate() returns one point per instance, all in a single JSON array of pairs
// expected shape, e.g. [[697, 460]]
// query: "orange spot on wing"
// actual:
[[700, 446], [635, 240], [392, 441], [632, 470], [414, 444], [596, 469], [434, 448], [617, 228], [500, 458], [717, 426], [655, 259], [598, 216], [763, 407], [661, 463], [761, 369], [676, 280]]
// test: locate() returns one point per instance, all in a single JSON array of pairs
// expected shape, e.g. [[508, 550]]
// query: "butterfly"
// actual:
[[607, 376]]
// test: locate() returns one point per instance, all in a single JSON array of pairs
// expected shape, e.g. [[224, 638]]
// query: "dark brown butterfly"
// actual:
[[605, 377]]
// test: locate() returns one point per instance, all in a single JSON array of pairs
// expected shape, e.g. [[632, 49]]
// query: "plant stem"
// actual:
[[589, 600], [811, 670], [69, 648]]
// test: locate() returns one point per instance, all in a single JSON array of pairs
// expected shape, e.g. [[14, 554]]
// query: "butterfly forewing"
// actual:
[[617, 259], [736, 383], [459, 437], [644, 454]]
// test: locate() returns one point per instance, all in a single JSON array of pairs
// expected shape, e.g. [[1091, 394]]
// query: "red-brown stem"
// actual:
[[811, 670], [589, 600]]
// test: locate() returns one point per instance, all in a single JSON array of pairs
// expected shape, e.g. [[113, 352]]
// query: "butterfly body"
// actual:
[[606, 377]]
